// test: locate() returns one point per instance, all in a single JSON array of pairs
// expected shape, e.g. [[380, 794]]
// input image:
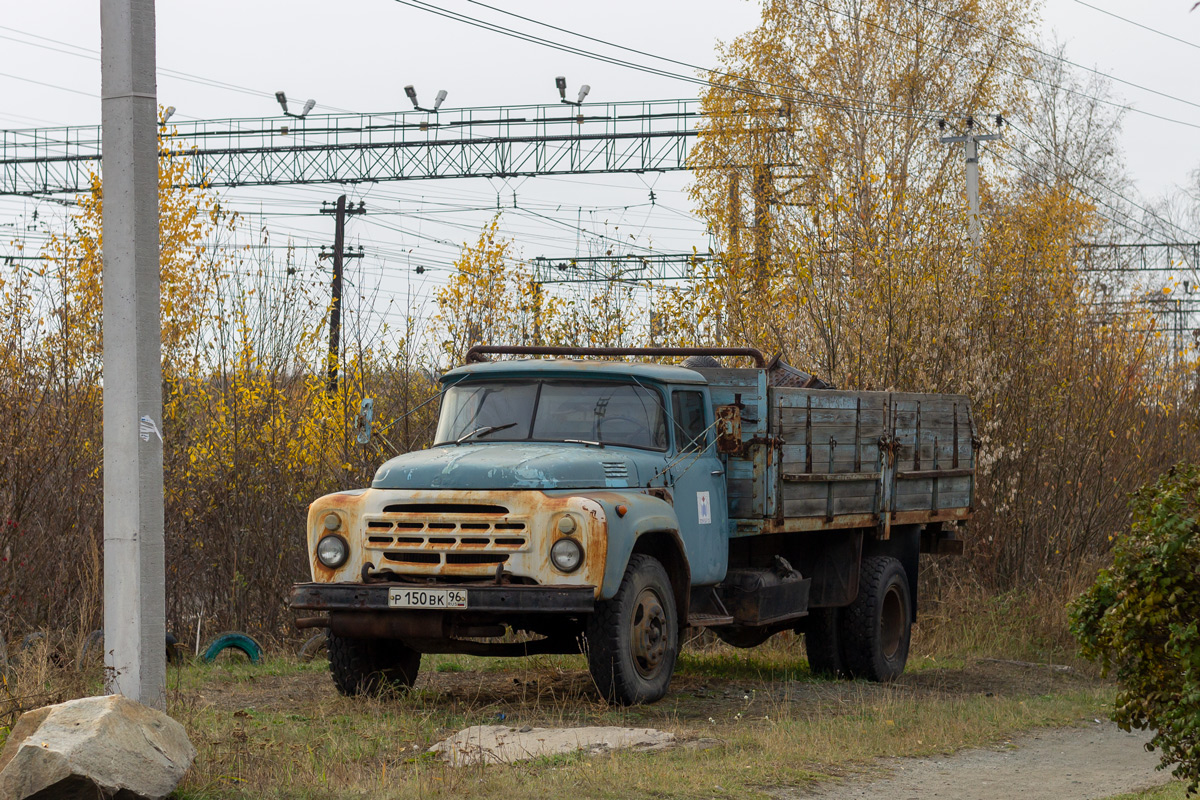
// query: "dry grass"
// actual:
[[750, 719], [42, 670], [281, 731], [960, 618]]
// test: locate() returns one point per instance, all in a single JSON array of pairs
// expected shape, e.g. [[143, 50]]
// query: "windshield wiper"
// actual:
[[484, 431]]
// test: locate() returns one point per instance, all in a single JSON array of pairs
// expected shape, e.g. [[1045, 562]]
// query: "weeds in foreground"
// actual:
[[748, 718], [254, 743]]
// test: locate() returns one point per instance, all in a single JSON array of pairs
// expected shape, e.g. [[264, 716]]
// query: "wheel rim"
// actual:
[[891, 623], [649, 632]]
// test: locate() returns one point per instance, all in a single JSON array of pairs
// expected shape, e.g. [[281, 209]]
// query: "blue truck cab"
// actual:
[[572, 504]]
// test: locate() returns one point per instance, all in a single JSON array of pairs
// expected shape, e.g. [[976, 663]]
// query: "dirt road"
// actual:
[[1094, 761]]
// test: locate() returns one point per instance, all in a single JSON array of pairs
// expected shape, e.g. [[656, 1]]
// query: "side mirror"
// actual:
[[729, 429], [362, 423]]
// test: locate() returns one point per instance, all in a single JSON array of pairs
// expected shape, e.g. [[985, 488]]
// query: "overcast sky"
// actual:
[[359, 55]]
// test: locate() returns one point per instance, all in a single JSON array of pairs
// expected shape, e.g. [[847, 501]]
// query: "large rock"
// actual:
[[500, 744], [96, 747]]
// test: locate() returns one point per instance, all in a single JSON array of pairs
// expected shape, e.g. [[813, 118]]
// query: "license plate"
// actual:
[[427, 598]]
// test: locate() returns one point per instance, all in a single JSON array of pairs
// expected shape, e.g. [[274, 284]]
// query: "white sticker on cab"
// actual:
[[703, 508]]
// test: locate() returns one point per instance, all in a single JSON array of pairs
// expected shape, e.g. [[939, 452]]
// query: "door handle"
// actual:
[[718, 472]]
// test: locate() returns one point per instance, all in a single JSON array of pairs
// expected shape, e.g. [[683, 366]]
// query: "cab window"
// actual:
[[687, 408]]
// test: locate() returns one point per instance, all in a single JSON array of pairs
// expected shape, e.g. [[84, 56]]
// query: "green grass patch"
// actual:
[[1175, 790], [288, 734]]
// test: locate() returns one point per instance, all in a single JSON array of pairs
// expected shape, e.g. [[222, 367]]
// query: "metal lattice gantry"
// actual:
[[1160, 257], [492, 142], [633, 268]]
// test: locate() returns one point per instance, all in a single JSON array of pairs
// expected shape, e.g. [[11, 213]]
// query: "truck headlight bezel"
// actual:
[[336, 558], [566, 555]]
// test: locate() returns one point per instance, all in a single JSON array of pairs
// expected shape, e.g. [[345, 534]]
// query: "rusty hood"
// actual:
[[505, 465]]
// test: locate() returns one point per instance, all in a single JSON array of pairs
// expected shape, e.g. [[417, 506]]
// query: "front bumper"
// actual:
[[336, 597]]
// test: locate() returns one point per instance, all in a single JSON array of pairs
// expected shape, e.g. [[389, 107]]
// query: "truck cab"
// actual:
[[565, 505]]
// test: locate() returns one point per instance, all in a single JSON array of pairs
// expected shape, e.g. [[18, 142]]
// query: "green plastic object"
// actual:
[[236, 641]]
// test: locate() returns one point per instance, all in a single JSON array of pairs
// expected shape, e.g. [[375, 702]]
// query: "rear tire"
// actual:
[[633, 639], [877, 627], [823, 643], [371, 666]]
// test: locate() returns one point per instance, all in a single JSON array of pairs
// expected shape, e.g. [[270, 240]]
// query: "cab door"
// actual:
[[697, 480]]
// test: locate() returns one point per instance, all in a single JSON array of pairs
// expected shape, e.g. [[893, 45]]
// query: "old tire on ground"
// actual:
[[175, 651], [233, 640], [316, 644], [877, 626], [371, 666], [743, 636], [633, 639], [823, 644], [93, 646]]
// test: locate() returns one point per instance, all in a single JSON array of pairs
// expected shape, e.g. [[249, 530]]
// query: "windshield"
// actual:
[[553, 411]]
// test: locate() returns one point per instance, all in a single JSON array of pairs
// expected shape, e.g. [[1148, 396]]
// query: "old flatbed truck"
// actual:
[[605, 506]]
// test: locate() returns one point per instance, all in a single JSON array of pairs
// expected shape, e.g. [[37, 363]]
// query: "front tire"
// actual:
[[877, 627], [633, 639], [371, 666]]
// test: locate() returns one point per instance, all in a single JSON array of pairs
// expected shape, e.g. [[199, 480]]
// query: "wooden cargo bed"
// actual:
[[813, 459]]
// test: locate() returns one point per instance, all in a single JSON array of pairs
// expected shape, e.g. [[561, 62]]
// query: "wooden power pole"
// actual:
[[340, 210]]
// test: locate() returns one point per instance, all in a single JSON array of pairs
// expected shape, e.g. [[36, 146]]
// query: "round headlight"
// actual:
[[567, 555], [332, 551], [566, 525], [332, 522]]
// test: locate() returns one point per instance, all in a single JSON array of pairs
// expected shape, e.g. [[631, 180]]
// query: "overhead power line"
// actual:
[[1144, 231], [799, 95], [94, 55], [1039, 51], [832, 99], [1101, 184], [49, 85], [989, 65], [1139, 25]]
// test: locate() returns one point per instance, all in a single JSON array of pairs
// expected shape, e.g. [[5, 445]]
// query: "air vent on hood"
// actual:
[[615, 469]]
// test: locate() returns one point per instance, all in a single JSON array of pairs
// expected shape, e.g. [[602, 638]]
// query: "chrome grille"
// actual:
[[462, 536]]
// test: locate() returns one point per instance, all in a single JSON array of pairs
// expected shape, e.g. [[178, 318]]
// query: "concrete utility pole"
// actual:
[[970, 143], [335, 310], [134, 589]]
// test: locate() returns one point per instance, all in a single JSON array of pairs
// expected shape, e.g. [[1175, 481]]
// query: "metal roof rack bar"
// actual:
[[480, 352]]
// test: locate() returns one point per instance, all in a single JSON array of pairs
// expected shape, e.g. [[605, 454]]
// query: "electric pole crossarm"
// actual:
[[970, 143], [984, 137], [353, 148]]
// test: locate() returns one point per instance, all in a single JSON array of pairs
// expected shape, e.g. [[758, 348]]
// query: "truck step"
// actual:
[[708, 620]]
